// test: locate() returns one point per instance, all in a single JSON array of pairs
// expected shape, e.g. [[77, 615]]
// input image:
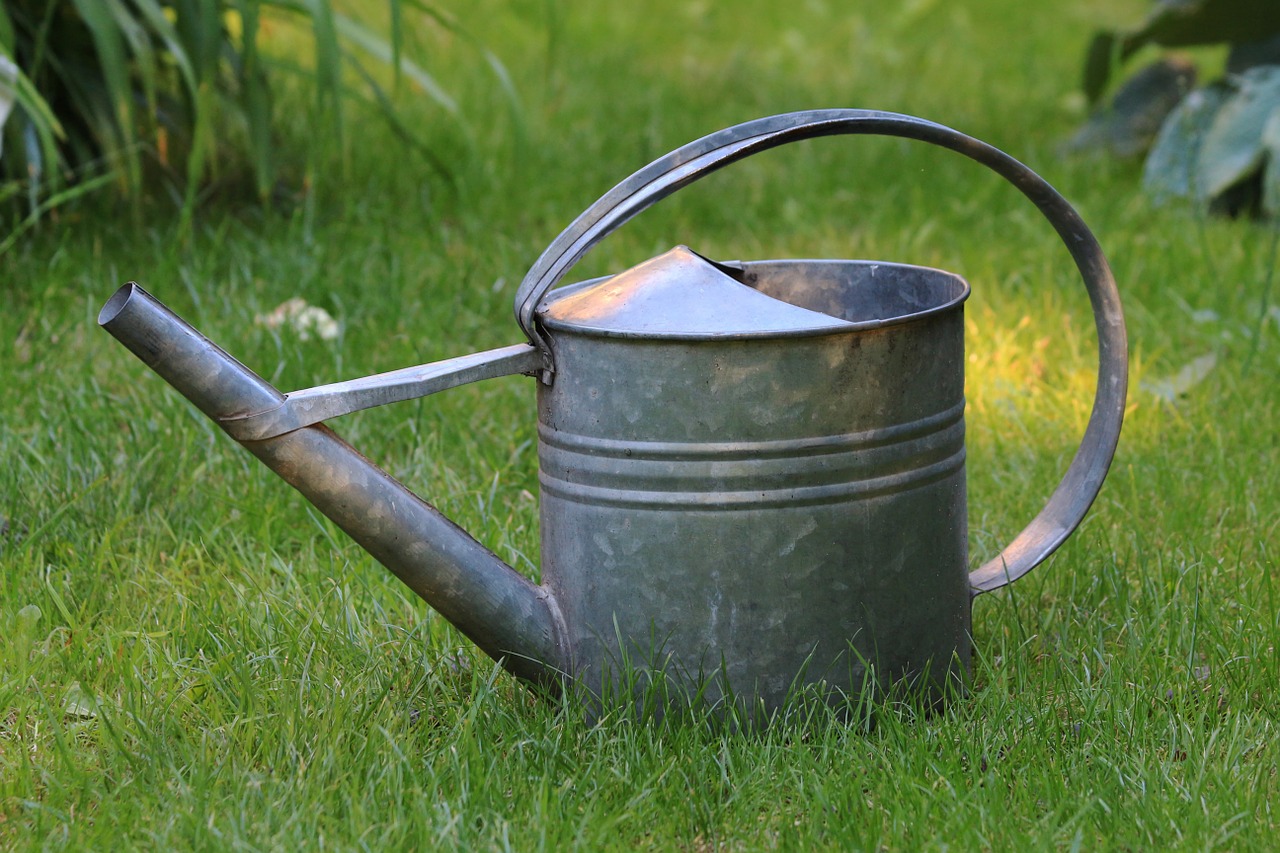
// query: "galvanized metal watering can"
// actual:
[[752, 473]]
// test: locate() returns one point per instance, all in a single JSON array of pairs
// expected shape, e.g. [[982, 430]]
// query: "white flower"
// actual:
[[304, 319]]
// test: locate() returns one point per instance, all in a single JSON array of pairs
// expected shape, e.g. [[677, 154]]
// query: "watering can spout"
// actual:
[[506, 615]]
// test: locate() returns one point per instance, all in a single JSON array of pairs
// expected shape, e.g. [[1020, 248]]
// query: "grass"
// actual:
[[213, 666]]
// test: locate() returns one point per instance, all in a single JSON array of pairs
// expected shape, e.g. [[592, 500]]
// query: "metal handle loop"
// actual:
[[1083, 480]]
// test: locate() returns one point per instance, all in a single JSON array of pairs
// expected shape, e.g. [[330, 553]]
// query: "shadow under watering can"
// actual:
[[752, 473]]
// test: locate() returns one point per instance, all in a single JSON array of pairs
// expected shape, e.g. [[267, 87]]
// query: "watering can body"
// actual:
[[752, 473], [767, 497]]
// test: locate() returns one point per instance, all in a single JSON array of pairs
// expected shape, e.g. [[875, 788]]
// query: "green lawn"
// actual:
[[213, 666]]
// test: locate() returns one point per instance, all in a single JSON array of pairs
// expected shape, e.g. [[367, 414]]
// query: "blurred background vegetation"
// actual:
[[179, 99], [1216, 143]]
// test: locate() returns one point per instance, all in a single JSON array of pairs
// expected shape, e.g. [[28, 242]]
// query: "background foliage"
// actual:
[[178, 98], [1218, 145]]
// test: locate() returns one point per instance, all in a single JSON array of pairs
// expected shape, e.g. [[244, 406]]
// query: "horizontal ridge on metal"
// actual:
[[695, 450], [752, 474], [697, 495]]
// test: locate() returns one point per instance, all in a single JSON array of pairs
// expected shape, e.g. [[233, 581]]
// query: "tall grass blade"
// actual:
[[328, 78], [360, 36], [397, 37], [143, 64], [491, 59], [158, 82], [256, 100], [200, 28], [114, 65], [84, 188], [175, 49], [33, 131], [402, 130]]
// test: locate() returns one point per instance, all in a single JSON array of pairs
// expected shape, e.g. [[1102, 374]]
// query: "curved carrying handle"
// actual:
[[1080, 485]]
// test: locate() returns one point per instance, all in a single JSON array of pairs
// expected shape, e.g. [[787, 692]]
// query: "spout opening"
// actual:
[[117, 303]]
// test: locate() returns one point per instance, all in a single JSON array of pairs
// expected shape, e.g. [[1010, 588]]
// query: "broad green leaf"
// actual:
[[1179, 23], [1100, 61], [1170, 168], [1232, 150], [1245, 55], [200, 28], [1271, 171], [1128, 124], [1183, 23]]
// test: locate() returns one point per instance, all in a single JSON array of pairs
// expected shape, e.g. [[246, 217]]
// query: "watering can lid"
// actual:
[[678, 294]]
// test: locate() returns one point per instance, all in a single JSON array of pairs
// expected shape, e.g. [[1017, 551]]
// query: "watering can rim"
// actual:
[[548, 319]]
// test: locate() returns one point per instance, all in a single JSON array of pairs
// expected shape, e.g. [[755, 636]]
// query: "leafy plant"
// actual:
[[1221, 147], [178, 95], [1217, 144], [1180, 23]]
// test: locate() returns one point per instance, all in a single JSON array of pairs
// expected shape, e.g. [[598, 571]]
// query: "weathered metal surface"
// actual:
[[751, 514], [752, 473]]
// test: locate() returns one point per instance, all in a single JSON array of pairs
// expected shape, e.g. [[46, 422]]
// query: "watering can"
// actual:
[[752, 474]]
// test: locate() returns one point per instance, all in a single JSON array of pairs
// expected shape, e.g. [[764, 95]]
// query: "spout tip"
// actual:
[[117, 302]]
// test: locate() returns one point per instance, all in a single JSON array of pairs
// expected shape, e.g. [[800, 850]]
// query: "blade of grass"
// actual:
[[78, 190], [376, 47], [328, 65], [256, 99], [6, 33], [402, 130], [114, 65], [396, 32], [495, 65]]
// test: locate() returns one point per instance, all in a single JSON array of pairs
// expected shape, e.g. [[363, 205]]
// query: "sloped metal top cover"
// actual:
[[682, 295]]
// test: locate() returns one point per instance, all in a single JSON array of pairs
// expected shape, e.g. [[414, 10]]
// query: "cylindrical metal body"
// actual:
[[755, 513]]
